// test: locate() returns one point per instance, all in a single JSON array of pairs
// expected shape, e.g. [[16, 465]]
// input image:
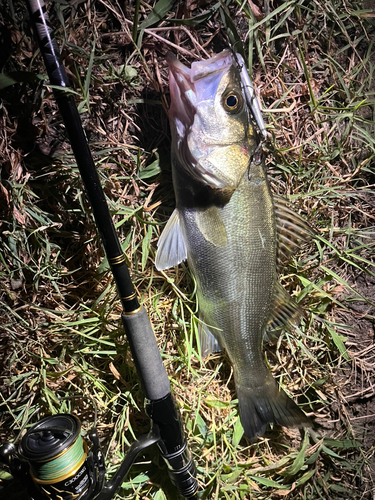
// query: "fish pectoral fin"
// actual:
[[207, 340], [292, 230], [211, 226], [171, 245], [286, 313]]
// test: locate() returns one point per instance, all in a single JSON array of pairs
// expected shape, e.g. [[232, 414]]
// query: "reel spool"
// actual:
[[61, 465]]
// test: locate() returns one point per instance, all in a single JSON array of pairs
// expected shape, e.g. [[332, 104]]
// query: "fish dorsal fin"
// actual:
[[171, 245], [286, 313], [211, 226], [207, 340], [292, 230]]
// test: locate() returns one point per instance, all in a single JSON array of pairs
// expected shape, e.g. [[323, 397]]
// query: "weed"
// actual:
[[313, 69]]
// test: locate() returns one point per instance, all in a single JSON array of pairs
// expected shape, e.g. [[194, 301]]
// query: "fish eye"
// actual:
[[233, 102]]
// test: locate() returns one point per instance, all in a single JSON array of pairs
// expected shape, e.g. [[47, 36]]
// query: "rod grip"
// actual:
[[146, 355]]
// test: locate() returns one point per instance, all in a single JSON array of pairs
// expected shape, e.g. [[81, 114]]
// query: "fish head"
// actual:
[[212, 134]]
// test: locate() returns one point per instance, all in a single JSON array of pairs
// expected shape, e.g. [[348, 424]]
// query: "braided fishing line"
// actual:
[[64, 465]]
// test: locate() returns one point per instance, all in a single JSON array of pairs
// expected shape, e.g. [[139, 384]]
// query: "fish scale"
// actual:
[[225, 225], [248, 258]]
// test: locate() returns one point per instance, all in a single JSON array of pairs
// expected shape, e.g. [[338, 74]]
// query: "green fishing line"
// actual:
[[62, 465]]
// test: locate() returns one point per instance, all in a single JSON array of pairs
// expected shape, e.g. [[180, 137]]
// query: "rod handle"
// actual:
[[146, 354]]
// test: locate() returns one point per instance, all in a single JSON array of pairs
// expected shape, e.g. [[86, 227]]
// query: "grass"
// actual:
[[313, 68]]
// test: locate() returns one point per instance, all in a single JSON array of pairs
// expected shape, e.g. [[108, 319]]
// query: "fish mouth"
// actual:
[[184, 83], [182, 91]]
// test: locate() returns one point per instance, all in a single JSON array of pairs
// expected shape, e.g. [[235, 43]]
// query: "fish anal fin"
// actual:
[[286, 313], [211, 226], [292, 230], [171, 245], [207, 340]]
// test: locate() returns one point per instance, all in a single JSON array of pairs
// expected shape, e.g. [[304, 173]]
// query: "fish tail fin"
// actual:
[[266, 405]]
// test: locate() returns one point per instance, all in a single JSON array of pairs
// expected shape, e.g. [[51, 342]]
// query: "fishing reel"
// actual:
[[55, 462]]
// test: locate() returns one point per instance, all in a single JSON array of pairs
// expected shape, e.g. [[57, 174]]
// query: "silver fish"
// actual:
[[230, 229]]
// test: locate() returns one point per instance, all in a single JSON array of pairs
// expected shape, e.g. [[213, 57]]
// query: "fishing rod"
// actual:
[[53, 459]]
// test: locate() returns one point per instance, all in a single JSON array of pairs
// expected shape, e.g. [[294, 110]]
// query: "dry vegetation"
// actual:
[[60, 334]]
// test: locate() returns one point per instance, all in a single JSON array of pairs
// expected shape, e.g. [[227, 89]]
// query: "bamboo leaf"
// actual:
[[338, 341], [150, 171], [157, 14], [6, 81], [305, 477], [238, 432], [146, 246], [233, 35], [269, 482], [299, 461]]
